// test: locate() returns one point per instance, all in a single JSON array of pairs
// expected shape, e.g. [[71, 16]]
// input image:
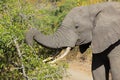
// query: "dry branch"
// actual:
[[20, 56]]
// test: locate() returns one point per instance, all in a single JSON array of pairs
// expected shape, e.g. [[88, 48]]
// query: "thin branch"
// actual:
[[20, 55]]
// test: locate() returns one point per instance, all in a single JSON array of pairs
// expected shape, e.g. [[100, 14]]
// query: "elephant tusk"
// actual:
[[48, 59], [52, 57], [63, 55]]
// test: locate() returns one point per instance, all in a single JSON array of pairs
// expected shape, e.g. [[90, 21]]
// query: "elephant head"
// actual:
[[83, 25], [75, 29]]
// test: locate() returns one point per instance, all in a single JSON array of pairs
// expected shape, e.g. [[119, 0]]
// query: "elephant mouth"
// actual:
[[79, 42], [58, 57]]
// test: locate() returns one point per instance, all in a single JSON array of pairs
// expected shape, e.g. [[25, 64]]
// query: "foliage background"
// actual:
[[16, 17]]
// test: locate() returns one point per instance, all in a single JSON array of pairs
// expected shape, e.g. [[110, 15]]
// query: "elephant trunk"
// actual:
[[59, 39]]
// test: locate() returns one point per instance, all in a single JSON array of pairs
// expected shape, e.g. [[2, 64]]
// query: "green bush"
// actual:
[[16, 17]]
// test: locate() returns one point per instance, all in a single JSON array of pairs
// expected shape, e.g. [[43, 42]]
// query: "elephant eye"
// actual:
[[76, 27]]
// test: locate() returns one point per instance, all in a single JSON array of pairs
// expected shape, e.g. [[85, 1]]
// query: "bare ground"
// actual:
[[79, 69]]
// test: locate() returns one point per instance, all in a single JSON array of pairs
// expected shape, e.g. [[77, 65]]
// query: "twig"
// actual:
[[20, 55]]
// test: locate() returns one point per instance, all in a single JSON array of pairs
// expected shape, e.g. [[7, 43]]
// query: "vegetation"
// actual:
[[18, 61]]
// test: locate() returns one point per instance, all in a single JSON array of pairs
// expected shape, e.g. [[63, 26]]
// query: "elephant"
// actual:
[[97, 26]]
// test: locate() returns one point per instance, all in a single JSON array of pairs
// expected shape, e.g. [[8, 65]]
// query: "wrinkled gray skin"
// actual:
[[97, 24]]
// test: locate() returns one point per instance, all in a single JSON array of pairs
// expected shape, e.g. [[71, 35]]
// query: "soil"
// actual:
[[79, 69]]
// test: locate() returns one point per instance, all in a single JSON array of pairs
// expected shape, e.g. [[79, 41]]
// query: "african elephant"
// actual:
[[97, 25]]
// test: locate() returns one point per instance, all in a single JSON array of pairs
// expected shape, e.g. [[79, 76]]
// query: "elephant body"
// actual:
[[96, 25]]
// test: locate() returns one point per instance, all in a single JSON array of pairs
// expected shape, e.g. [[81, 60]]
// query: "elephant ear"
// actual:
[[106, 29]]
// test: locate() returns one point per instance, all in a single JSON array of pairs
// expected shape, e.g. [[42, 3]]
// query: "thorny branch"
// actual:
[[20, 55]]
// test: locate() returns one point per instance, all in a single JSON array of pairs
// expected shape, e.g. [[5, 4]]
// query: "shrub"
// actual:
[[17, 60]]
